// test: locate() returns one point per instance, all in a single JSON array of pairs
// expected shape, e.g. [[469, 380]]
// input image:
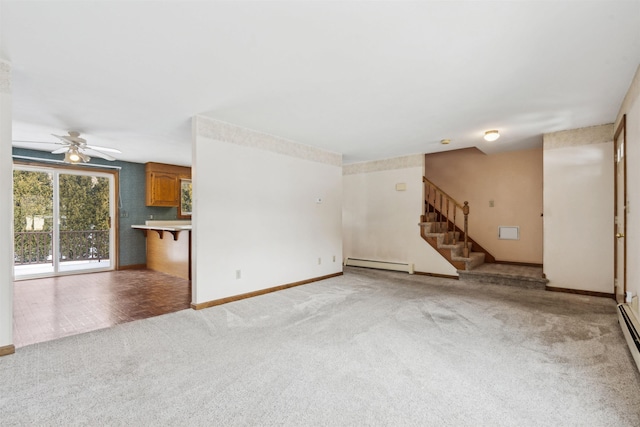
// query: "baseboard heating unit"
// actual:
[[630, 328], [381, 265]]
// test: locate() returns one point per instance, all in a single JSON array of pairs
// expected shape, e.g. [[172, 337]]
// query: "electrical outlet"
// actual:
[[124, 214], [334, 258], [319, 261], [238, 274]]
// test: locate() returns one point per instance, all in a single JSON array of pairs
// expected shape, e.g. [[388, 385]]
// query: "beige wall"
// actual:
[[631, 107], [512, 180], [578, 209], [380, 223]]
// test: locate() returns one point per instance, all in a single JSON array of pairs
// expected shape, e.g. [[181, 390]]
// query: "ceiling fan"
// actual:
[[76, 149]]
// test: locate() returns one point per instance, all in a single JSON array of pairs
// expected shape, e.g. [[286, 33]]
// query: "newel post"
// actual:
[[465, 211]]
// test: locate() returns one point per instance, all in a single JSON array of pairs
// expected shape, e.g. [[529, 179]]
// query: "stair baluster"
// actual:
[[446, 235], [427, 202], [455, 234], [465, 211]]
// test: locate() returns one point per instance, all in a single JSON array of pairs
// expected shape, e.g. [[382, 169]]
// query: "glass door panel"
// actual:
[[84, 212], [33, 223]]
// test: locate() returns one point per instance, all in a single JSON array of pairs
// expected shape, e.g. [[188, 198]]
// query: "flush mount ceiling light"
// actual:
[[445, 141], [491, 135]]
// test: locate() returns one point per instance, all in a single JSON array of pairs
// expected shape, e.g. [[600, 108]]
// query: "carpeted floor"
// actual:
[[367, 348]]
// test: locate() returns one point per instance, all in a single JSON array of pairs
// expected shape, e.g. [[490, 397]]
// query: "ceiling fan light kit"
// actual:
[[74, 156], [71, 157], [75, 148], [491, 135]]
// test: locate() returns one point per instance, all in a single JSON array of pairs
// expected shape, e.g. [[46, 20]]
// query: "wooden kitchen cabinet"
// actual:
[[163, 183]]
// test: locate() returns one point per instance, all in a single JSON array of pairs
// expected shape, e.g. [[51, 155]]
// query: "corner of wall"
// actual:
[[6, 211]]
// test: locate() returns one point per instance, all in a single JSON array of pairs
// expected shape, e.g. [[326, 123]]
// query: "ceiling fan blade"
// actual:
[[60, 150], [72, 138], [107, 149], [36, 142], [96, 153], [64, 138]]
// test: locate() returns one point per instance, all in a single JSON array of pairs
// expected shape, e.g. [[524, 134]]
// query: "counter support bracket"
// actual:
[[160, 232]]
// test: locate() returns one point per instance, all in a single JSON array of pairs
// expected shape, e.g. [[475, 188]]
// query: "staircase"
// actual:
[[444, 226], [448, 243]]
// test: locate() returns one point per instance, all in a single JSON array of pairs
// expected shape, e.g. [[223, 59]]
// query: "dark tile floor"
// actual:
[[46, 309]]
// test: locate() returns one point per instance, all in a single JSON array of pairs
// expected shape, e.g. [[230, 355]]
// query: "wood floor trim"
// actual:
[[133, 267], [7, 350], [444, 276], [581, 292], [207, 304], [522, 264]]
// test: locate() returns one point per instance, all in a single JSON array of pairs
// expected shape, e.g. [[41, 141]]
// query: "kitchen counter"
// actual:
[[160, 229], [163, 227], [170, 256]]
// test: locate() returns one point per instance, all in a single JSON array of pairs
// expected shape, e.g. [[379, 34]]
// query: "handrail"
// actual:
[[425, 180], [441, 212]]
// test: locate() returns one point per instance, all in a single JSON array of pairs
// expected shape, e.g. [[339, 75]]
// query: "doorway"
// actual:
[[62, 221], [620, 211]]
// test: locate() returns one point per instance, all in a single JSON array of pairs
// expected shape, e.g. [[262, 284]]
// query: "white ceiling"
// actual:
[[370, 80]]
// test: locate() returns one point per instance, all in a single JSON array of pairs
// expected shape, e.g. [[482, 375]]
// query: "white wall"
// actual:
[[578, 208], [631, 107], [6, 209], [380, 223], [256, 210]]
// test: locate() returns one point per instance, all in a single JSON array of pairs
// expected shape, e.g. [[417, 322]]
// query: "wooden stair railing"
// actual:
[[438, 203], [442, 208]]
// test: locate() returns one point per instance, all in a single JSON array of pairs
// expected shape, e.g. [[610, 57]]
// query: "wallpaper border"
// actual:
[[576, 137], [223, 131], [404, 162]]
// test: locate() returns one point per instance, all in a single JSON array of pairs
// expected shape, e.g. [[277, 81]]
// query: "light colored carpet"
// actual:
[[367, 348]]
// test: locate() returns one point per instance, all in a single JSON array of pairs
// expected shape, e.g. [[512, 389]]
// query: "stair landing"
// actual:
[[506, 274]]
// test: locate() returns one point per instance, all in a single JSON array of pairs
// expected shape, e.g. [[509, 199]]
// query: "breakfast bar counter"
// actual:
[[168, 247]]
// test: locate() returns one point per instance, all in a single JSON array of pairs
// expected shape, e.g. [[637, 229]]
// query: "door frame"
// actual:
[[113, 220], [620, 130]]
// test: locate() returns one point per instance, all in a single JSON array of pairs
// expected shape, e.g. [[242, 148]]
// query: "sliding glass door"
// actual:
[[62, 221]]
